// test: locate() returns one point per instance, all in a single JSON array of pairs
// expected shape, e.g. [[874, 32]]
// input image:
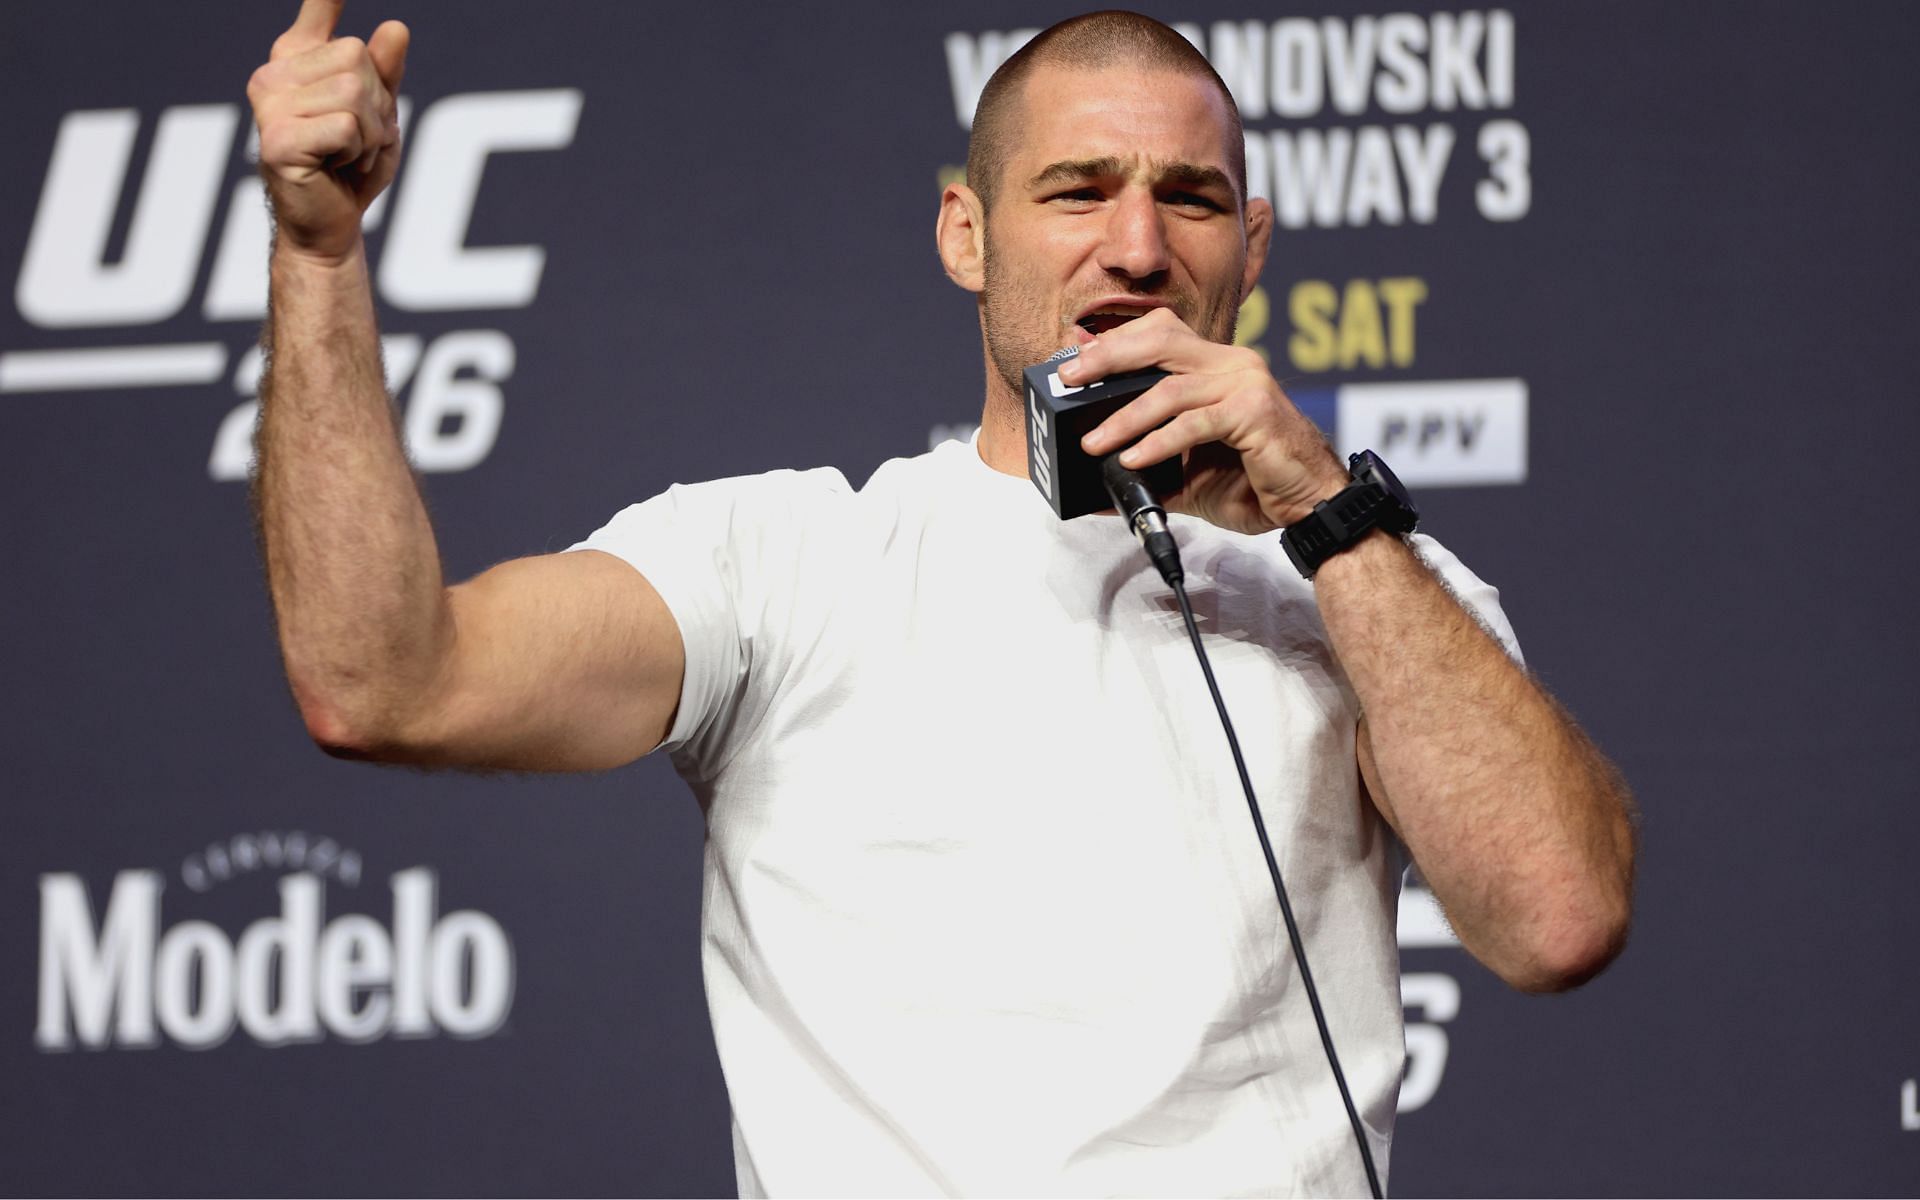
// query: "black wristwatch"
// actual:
[[1374, 500]]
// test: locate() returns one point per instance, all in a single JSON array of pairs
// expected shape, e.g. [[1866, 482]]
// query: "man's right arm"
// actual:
[[559, 662]]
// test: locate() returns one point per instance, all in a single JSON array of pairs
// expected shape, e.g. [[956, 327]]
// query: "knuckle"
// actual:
[[1248, 397], [350, 89], [351, 48]]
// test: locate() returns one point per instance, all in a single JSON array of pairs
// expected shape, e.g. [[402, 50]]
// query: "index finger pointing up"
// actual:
[[313, 27]]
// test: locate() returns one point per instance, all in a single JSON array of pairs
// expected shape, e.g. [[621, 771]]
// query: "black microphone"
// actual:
[[1144, 515], [1059, 415]]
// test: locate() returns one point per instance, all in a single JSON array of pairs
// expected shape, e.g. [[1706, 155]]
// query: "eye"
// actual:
[[1194, 200], [1079, 195]]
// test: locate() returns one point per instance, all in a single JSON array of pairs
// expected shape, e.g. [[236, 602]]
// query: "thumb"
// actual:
[[388, 48]]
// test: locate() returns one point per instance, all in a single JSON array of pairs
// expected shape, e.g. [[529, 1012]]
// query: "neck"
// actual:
[[1003, 430], [1003, 440]]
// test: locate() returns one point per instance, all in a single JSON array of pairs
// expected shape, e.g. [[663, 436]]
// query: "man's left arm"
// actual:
[[1521, 827], [1523, 830]]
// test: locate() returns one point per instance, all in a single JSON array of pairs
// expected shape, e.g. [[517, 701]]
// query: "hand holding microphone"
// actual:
[[1076, 483], [1253, 463]]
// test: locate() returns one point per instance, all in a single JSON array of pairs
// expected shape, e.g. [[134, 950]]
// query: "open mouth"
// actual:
[[1111, 316]]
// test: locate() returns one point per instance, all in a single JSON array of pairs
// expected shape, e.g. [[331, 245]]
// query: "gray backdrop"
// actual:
[[1653, 264]]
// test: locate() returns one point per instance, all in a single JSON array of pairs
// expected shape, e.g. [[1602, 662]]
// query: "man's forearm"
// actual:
[[1519, 824], [351, 560]]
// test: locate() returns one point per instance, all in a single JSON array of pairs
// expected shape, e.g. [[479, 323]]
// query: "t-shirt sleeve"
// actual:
[[1479, 597], [723, 555]]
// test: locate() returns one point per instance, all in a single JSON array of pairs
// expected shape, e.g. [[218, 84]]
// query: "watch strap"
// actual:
[[1334, 524]]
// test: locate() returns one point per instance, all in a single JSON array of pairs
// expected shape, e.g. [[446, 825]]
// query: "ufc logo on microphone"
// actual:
[[1037, 441]]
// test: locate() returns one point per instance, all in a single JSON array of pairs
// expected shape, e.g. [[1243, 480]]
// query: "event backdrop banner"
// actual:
[[1620, 290]]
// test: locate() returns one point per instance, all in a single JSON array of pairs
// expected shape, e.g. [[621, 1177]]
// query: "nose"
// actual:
[[1135, 241]]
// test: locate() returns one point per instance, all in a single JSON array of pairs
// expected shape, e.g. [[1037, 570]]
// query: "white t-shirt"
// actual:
[[984, 910]]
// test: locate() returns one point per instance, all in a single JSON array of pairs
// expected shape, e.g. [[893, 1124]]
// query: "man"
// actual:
[[983, 912]]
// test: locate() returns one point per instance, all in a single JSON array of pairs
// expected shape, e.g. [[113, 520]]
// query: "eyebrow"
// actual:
[[1183, 174]]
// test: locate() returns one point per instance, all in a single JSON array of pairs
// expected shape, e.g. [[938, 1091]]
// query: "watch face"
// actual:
[[1368, 467]]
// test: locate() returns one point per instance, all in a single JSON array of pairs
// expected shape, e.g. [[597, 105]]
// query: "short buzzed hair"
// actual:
[[1089, 42]]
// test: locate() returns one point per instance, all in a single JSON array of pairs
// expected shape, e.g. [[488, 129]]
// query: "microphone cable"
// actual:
[[1279, 889], [1148, 521]]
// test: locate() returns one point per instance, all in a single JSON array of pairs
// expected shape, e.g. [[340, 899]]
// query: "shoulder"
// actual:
[[776, 491], [793, 492], [918, 472], [785, 513], [820, 500], [731, 504]]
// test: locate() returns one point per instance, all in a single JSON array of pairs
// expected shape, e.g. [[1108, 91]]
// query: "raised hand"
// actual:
[[1254, 462], [329, 128]]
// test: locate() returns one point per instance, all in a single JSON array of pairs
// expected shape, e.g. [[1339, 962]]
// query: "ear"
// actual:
[[1259, 242], [961, 234]]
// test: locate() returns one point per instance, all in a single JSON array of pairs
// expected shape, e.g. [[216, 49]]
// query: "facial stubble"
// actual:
[[1013, 315]]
